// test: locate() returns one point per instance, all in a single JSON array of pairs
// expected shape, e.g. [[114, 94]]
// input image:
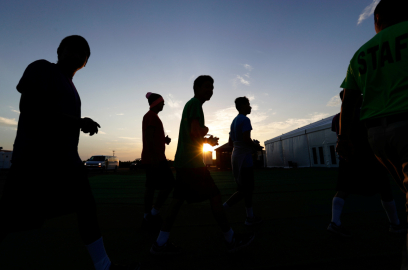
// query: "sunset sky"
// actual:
[[289, 57]]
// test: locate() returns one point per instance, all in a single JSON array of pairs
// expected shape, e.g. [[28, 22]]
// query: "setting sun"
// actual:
[[207, 147]]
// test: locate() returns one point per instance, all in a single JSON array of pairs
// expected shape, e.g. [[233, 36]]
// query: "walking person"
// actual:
[[361, 174], [193, 180], [158, 173], [378, 71], [50, 119], [242, 163]]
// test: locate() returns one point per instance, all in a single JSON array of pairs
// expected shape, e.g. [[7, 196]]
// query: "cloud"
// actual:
[[242, 80], [130, 138], [367, 11], [6, 122], [278, 128], [334, 101], [248, 67], [192, 77], [15, 111], [172, 102], [101, 132], [246, 75], [119, 114], [251, 97]]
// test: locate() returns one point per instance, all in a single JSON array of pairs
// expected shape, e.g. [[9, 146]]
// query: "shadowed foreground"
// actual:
[[295, 204]]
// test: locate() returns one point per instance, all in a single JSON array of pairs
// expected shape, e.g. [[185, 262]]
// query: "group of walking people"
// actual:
[[193, 182], [372, 130]]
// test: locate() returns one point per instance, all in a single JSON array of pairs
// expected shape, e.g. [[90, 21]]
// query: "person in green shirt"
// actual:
[[193, 180], [379, 72]]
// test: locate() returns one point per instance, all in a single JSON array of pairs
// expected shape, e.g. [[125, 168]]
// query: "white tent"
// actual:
[[309, 146]]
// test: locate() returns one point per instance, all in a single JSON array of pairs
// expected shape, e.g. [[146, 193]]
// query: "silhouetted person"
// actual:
[[158, 173], [47, 178], [241, 160], [378, 70], [193, 180], [362, 174]]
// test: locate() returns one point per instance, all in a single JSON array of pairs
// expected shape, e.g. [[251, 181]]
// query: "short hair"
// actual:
[[391, 12], [341, 94], [201, 80], [153, 97], [241, 101], [74, 42]]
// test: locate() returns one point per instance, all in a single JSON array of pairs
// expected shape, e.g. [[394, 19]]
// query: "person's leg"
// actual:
[[85, 208], [337, 206], [218, 212], [161, 198], [168, 223], [387, 201], [148, 200], [234, 199]]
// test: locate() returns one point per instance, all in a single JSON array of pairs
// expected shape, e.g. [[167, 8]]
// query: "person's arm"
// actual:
[[246, 136], [197, 131], [350, 100], [230, 142], [348, 107]]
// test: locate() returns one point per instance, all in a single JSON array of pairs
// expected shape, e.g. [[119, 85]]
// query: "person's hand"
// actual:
[[89, 126], [206, 130], [345, 148], [213, 141], [167, 140]]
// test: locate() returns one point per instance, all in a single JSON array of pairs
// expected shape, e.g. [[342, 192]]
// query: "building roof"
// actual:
[[224, 147], [313, 127]]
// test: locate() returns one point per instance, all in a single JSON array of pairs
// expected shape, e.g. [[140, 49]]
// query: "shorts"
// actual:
[[367, 177], [194, 185], [32, 195], [247, 180], [159, 177]]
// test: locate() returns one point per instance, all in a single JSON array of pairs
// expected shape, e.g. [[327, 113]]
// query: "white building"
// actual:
[[309, 146], [5, 158]]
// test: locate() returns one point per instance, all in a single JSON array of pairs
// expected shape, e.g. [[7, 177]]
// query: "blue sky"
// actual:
[[289, 57]]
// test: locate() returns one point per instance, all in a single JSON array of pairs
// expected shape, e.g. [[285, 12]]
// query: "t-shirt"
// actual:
[[189, 152], [151, 119], [379, 70], [239, 125], [42, 134]]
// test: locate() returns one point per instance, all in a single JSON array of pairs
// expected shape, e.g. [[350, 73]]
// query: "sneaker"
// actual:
[[167, 248], [134, 266], [253, 221], [397, 229], [239, 241], [333, 228]]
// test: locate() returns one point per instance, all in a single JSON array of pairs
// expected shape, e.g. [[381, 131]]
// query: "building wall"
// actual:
[[315, 149]]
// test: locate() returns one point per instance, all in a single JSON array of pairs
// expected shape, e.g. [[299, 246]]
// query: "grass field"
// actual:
[[295, 204]]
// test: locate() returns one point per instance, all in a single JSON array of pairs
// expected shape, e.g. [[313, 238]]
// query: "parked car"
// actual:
[[136, 165], [102, 163]]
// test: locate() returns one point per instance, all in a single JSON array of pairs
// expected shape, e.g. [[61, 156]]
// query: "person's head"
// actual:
[[388, 13], [203, 87], [73, 52], [341, 94], [156, 101], [242, 105]]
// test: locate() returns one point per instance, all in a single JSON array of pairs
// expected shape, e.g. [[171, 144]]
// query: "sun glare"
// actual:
[[207, 147]]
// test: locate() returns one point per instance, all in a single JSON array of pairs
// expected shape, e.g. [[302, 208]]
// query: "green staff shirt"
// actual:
[[189, 152], [379, 70]]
